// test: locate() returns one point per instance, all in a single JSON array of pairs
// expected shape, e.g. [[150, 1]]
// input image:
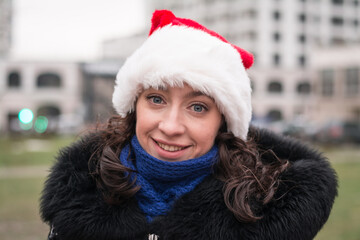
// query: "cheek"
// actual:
[[141, 123], [206, 132], [146, 120]]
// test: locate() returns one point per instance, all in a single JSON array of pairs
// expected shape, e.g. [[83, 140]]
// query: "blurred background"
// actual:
[[59, 59]]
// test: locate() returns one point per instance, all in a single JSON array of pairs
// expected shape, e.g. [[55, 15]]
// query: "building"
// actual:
[[337, 78], [52, 90], [98, 83], [286, 38], [282, 35], [99, 76], [5, 27]]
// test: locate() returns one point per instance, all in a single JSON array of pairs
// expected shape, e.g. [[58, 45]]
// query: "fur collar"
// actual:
[[72, 203]]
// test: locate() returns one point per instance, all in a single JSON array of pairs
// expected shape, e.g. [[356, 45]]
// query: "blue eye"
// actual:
[[198, 108], [156, 100]]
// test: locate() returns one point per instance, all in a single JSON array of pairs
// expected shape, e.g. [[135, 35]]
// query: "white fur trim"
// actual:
[[174, 55]]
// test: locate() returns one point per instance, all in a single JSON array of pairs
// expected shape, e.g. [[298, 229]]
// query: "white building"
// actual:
[[49, 89], [5, 27], [337, 77], [282, 35]]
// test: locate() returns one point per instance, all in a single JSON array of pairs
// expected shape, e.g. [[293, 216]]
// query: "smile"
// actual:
[[170, 148]]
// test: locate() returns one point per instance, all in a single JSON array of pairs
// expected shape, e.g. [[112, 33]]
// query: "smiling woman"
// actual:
[[176, 124], [180, 160]]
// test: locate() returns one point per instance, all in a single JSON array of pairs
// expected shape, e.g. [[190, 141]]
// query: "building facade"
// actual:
[[282, 35], [98, 83], [5, 27], [337, 77], [49, 89]]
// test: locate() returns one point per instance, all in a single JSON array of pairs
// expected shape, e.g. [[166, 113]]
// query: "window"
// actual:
[[275, 87], [302, 38], [327, 82], [356, 22], [276, 59], [352, 82], [337, 2], [50, 111], [337, 41], [13, 122], [252, 13], [337, 21], [303, 88], [48, 80], [274, 115], [302, 61], [276, 37], [302, 17], [250, 35], [276, 15], [14, 80]]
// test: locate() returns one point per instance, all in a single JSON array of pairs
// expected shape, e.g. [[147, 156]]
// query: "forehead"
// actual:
[[185, 90]]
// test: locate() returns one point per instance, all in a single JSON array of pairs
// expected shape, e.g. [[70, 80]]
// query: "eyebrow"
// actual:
[[194, 94], [189, 94]]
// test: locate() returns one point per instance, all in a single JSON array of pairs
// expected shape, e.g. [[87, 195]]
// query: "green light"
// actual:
[[26, 116], [41, 124]]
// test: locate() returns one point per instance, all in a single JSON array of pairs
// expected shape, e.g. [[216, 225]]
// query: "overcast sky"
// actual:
[[71, 29]]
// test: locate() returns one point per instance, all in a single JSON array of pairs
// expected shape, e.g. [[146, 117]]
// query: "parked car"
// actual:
[[339, 132]]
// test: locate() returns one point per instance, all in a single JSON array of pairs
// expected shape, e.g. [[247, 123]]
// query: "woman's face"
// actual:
[[176, 124]]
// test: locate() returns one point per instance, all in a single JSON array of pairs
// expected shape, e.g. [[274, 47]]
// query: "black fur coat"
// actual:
[[73, 205]]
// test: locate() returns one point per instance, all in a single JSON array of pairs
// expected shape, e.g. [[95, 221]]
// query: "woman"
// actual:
[[180, 161]]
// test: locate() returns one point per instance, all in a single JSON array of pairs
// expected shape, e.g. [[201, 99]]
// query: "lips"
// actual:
[[170, 148], [168, 151]]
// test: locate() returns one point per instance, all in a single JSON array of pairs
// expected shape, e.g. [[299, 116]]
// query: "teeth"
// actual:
[[170, 148]]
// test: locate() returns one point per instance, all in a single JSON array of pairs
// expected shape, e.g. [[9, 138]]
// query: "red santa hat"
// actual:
[[180, 51]]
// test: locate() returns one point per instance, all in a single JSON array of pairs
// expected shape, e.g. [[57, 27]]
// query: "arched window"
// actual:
[[48, 111], [274, 115], [303, 88], [14, 80], [275, 87], [46, 80]]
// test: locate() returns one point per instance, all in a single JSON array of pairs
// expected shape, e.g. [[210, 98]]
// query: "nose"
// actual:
[[172, 123]]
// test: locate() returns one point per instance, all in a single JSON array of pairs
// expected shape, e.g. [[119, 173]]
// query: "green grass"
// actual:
[[19, 197], [344, 221], [19, 212], [30, 151]]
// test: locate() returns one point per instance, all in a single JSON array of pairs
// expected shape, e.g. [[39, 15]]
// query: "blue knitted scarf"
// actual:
[[163, 182]]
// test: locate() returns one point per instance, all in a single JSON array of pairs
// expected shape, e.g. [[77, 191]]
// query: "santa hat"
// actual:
[[180, 51]]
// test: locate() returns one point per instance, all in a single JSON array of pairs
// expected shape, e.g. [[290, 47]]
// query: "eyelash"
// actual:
[[152, 97], [201, 105]]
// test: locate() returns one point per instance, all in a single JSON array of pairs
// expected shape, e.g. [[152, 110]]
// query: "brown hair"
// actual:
[[246, 178]]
